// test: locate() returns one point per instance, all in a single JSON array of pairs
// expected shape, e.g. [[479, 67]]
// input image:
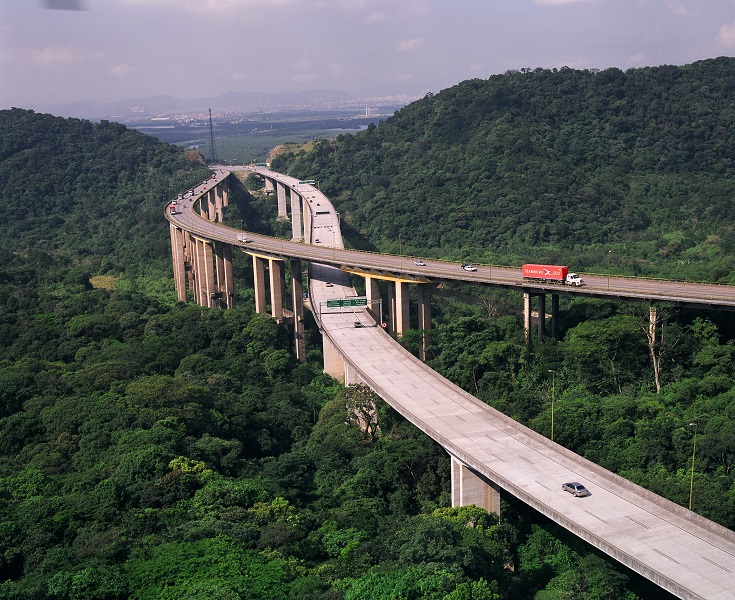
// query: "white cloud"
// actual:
[[56, 54], [121, 70], [375, 17], [680, 10], [409, 44], [726, 35]]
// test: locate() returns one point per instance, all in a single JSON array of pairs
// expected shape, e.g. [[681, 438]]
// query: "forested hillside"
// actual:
[[624, 172], [155, 450], [621, 172]]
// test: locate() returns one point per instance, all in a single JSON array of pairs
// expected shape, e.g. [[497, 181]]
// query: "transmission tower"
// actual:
[[211, 140]]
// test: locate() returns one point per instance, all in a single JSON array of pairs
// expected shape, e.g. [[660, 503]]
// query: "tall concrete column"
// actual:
[[470, 488], [555, 316], [372, 293], [277, 285], [204, 206], [352, 377], [218, 203], [296, 231], [424, 318], [205, 273], [189, 261], [225, 283], [391, 308], [333, 363], [297, 300], [196, 285], [259, 284], [541, 316], [403, 323], [211, 199], [268, 185], [177, 254], [306, 211], [527, 317], [225, 192], [281, 195]]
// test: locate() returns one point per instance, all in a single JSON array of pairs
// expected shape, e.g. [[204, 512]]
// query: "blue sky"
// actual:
[[114, 49]]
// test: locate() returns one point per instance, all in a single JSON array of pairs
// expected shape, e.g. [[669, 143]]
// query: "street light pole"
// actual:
[[552, 403], [694, 449]]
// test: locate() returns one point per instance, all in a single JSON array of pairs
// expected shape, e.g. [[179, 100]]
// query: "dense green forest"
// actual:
[[157, 450], [617, 171]]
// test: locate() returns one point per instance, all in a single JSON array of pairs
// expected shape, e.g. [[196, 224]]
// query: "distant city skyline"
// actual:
[[117, 49]]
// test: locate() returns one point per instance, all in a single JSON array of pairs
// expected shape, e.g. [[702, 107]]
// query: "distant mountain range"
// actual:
[[135, 108]]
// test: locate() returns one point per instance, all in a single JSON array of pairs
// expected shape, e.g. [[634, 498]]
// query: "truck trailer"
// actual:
[[551, 274]]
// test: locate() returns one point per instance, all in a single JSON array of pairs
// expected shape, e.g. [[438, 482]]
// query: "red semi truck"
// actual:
[[551, 274]]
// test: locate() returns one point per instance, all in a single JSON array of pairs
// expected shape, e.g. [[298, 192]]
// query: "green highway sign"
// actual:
[[347, 302]]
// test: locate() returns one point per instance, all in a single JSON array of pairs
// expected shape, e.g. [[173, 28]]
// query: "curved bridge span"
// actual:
[[677, 549]]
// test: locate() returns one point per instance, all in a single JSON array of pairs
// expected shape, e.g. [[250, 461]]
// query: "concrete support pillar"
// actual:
[[281, 195], [391, 308], [403, 322], [204, 206], [218, 203], [555, 316], [424, 318], [470, 488], [541, 316], [205, 274], [225, 187], [177, 254], [527, 317], [296, 231], [277, 285], [212, 199], [351, 376], [190, 260], [333, 363], [306, 211], [297, 300], [372, 293], [259, 283], [225, 282], [268, 185]]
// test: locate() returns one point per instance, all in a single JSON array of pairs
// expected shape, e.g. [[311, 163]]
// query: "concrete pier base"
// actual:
[[470, 488]]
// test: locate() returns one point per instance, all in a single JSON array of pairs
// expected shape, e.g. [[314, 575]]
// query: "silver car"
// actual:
[[575, 488]]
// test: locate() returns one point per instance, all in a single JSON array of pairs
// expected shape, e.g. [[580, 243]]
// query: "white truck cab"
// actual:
[[574, 279]]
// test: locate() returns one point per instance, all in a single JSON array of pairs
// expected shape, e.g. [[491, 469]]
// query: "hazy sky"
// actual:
[[115, 49]]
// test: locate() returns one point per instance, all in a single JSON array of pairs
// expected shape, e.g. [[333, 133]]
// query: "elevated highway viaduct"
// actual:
[[677, 549]]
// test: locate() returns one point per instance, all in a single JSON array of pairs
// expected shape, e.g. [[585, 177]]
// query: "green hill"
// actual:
[[87, 192], [630, 172]]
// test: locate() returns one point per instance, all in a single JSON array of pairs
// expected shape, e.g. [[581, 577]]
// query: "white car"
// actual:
[[419, 263], [469, 268]]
